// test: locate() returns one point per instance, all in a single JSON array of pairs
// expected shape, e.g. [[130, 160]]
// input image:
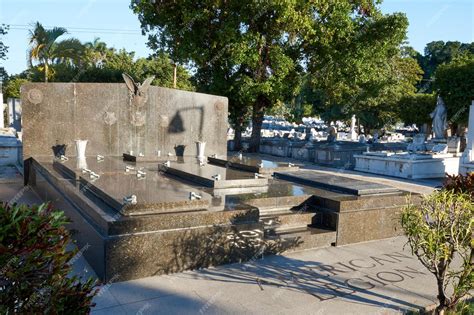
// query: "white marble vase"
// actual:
[[81, 148]]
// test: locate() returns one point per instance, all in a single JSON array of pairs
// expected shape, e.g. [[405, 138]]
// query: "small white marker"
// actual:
[[194, 196], [132, 200]]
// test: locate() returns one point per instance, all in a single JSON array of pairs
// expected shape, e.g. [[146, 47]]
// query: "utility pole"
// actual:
[[174, 74]]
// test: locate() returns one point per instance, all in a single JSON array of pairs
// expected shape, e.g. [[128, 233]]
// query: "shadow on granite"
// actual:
[[193, 249]]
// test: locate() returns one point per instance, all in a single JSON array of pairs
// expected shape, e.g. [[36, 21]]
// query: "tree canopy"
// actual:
[[256, 52], [72, 61], [3, 51], [455, 83], [46, 49]]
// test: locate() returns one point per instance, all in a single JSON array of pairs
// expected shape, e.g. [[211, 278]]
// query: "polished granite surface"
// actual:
[[336, 183], [206, 170], [155, 193], [252, 161]]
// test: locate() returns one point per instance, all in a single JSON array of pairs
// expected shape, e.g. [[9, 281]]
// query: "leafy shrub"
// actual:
[[460, 184], [34, 278], [438, 230]]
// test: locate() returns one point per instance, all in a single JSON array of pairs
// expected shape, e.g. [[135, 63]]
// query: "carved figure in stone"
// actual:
[[439, 116], [332, 134], [110, 118], [138, 97], [314, 135]]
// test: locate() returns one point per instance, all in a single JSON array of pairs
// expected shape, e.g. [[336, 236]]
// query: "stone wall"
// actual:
[[59, 113]]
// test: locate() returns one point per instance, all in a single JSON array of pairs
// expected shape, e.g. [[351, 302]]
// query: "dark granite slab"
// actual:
[[336, 183], [73, 168], [190, 169], [59, 113], [253, 164], [155, 193], [149, 158]]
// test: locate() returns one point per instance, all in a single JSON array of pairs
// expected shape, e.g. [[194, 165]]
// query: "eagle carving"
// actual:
[[138, 96]]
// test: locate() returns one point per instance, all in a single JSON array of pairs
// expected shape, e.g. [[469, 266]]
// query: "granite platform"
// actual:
[[336, 183], [279, 216], [408, 165], [252, 164], [209, 175], [123, 242]]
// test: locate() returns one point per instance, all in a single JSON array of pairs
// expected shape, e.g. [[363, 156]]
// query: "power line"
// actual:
[[23, 27]]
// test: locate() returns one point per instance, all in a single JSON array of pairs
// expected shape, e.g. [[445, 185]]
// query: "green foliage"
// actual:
[[3, 52], [460, 184], [255, 53], [439, 230], [12, 87], [3, 48], [357, 64], [246, 50], [437, 53], [96, 62], [46, 49], [455, 82], [416, 108], [34, 278]]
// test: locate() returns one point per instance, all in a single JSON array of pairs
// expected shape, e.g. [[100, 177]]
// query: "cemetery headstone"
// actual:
[[14, 113], [440, 148]]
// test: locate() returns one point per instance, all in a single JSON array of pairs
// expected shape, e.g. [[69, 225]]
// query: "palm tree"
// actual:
[[95, 52], [45, 49]]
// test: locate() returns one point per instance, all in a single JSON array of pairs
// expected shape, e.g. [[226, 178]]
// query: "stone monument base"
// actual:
[[412, 166]]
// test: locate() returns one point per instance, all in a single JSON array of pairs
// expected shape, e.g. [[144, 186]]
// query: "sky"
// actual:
[[114, 23]]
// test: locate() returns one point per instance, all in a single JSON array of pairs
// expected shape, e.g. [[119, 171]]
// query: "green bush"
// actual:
[[460, 184], [35, 275], [439, 230]]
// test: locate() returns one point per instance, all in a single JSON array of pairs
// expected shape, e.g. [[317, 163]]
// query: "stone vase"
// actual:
[[179, 149], [81, 148], [201, 147], [59, 149], [81, 163]]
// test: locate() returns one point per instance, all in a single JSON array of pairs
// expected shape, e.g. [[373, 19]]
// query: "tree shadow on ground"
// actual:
[[248, 248]]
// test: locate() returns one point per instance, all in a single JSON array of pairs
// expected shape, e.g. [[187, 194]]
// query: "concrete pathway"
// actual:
[[380, 277]]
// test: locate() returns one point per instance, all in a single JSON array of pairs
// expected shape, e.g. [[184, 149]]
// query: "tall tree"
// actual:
[[437, 53], [455, 83], [249, 47], [3, 51], [45, 48], [356, 62]]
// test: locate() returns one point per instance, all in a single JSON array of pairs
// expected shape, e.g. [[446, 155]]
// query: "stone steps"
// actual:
[[272, 223], [300, 238], [290, 229]]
